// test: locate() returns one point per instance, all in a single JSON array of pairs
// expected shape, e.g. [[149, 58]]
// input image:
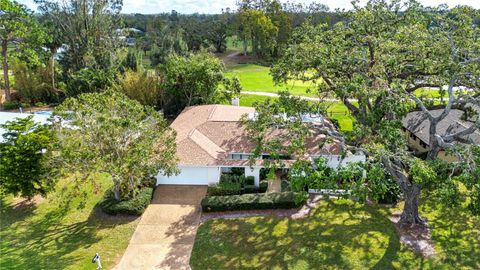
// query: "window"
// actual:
[[236, 156]]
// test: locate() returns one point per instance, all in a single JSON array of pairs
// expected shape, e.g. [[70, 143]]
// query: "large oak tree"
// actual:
[[375, 60]]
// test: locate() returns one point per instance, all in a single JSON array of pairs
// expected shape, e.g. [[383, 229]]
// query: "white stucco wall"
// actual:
[[335, 161], [191, 176]]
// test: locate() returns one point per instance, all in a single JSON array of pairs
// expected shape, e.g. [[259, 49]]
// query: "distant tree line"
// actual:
[[262, 26]]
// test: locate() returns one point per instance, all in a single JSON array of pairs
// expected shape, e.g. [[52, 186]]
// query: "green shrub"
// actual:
[[241, 180], [250, 189], [89, 81], [283, 200], [474, 205], [263, 186], [223, 189], [33, 84], [233, 178], [263, 173], [135, 206], [285, 185], [11, 105], [238, 171], [249, 180], [301, 197]]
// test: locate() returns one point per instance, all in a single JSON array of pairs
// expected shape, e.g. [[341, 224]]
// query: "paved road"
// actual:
[[166, 232]]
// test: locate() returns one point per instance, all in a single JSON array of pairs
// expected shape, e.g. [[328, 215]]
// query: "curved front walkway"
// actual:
[[166, 232]]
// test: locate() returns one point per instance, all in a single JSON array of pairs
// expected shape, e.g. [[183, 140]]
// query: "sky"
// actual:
[[216, 6]]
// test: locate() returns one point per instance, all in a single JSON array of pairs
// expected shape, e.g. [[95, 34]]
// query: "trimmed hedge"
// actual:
[[135, 206], [250, 189], [231, 184], [249, 181], [224, 189], [284, 200]]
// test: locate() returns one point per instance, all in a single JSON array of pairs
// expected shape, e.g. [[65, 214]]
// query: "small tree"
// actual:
[[26, 164], [192, 80], [141, 86], [108, 132], [17, 27]]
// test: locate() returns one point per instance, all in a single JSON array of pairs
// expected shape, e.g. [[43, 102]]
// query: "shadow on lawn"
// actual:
[[457, 232], [46, 241], [11, 212], [335, 236]]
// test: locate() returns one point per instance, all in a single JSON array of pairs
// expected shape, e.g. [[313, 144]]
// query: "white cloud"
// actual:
[[216, 6]]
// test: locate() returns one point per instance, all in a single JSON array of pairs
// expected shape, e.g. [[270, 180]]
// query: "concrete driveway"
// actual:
[[166, 232]]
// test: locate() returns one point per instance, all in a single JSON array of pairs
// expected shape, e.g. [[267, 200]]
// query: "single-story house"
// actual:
[[211, 139], [418, 136]]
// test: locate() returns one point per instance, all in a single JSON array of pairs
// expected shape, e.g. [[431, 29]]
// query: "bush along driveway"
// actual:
[[165, 235]]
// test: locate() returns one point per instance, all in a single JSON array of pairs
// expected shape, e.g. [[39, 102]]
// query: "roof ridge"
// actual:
[[212, 112], [205, 143]]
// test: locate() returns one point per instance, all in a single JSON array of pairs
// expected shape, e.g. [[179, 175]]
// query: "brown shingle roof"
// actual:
[[449, 125], [207, 133]]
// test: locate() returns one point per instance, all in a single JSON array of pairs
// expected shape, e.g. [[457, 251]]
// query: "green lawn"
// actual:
[[256, 78], [64, 231], [338, 234]]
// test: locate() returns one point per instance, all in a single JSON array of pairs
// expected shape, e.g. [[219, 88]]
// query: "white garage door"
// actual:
[[191, 176]]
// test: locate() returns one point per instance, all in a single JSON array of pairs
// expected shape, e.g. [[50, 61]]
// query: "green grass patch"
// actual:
[[63, 231], [338, 234], [256, 78]]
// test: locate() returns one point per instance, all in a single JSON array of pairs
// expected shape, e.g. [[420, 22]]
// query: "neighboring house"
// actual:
[[211, 139], [417, 133]]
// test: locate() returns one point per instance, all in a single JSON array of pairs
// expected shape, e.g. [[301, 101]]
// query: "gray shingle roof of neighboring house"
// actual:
[[453, 123]]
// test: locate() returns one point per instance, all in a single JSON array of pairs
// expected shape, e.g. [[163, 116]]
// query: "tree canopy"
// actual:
[[27, 160], [375, 60], [87, 28], [21, 30], [107, 132]]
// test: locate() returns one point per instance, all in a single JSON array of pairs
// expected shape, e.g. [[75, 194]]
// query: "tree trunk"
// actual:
[[434, 147], [5, 70], [410, 190], [245, 46], [410, 209], [52, 63], [116, 190], [433, 152]]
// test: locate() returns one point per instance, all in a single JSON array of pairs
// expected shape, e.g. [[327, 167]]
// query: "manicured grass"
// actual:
[[256, 78], [338, 234], [63, 231]]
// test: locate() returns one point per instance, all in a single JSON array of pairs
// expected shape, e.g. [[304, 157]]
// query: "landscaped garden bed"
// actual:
[[134, 205], [236, 184]]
